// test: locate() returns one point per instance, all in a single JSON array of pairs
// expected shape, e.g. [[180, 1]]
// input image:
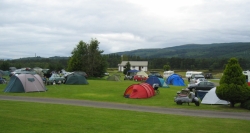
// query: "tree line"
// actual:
[[177, 63], [88, 58], [112, 61]]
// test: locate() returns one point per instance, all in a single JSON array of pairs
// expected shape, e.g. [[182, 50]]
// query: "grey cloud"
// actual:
[[53, 28]]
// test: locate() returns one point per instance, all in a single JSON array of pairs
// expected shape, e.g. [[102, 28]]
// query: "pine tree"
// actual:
[[233, 86], [127, 68]]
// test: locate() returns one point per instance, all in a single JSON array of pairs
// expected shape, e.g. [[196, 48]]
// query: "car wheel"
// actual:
[[54, 82], [179, 102], [197, 103], [135, 79]]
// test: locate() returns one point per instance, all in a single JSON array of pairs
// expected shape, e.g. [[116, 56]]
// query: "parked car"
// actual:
[[140, 78], [194, 77], [130, 74], [55, 79], [106, 74], [203, 85], [208, 76], [197, 81], [157, 74]]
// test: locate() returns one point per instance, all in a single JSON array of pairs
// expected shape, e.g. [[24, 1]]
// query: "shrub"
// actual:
[[246, 104]]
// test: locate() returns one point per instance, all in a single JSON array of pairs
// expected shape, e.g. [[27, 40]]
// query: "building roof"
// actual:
[[134, 63]]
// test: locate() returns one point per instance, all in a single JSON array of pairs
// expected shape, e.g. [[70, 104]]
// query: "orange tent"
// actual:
[[142, 90]]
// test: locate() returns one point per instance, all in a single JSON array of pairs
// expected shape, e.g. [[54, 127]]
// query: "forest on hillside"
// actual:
[[185, 57], [113, 60], [221, 50]]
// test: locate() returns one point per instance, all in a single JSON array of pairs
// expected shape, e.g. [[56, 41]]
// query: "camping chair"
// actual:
[[156, 86]]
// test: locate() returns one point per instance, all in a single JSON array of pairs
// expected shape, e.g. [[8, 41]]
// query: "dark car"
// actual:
[[208, 76], [203, 85], [157, 74]]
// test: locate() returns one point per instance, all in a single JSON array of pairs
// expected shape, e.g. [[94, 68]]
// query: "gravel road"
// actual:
[[120, 106]]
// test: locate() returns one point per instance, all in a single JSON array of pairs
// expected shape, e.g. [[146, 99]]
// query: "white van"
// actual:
[[190, 73], [247, 73], [166, 74]]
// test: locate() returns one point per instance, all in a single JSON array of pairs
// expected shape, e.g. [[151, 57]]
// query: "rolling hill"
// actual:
[[215, 50]]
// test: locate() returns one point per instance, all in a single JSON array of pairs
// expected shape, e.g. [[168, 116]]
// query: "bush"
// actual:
[[246, 104]]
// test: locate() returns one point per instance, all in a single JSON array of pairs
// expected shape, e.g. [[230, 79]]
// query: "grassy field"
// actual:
[[25, 117], [112, 91], [39, 117]]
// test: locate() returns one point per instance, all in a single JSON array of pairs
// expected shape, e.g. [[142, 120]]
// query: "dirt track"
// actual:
[[161, 110]]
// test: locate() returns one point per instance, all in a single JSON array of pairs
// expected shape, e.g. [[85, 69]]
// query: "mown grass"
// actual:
[[112, 91], [25, 117]]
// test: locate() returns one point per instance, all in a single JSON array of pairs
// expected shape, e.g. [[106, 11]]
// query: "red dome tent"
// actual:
[[142, 90]]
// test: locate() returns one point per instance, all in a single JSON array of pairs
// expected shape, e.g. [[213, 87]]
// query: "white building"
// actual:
[[135, 65]]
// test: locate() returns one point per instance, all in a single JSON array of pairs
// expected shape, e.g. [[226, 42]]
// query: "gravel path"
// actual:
[[119, 106]]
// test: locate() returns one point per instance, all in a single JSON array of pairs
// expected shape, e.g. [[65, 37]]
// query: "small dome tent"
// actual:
[[211, 98], [25, 83], [114, 77], [76, 79], [142, 90], [175, 79], [154, 79]]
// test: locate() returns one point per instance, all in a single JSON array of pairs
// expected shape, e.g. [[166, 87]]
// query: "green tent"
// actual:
[[114, 77], [165, 85], [76, 79]]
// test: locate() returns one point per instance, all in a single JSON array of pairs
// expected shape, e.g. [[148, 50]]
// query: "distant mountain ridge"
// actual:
[[215, 50]]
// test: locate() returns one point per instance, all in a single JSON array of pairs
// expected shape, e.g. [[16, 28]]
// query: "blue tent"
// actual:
[[175, 79], [133, 71], [153, 79]]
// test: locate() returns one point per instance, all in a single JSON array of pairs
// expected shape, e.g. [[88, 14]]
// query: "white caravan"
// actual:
[[166, 74], [247, 73], [190, 73]]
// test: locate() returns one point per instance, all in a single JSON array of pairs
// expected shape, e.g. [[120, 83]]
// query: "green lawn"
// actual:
[[40, 117], [112, 91], [25, 117]]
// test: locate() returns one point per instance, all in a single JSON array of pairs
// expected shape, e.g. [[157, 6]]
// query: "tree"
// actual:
[[166, 67], [127, 68], [5, 65], [233, 86], [75, 61], [88, 58]]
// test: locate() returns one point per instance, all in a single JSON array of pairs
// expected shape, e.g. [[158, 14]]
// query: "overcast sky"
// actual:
[[49, 28]]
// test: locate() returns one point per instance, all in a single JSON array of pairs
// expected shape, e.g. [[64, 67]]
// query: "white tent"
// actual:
[[211, 98], [142, 73]]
